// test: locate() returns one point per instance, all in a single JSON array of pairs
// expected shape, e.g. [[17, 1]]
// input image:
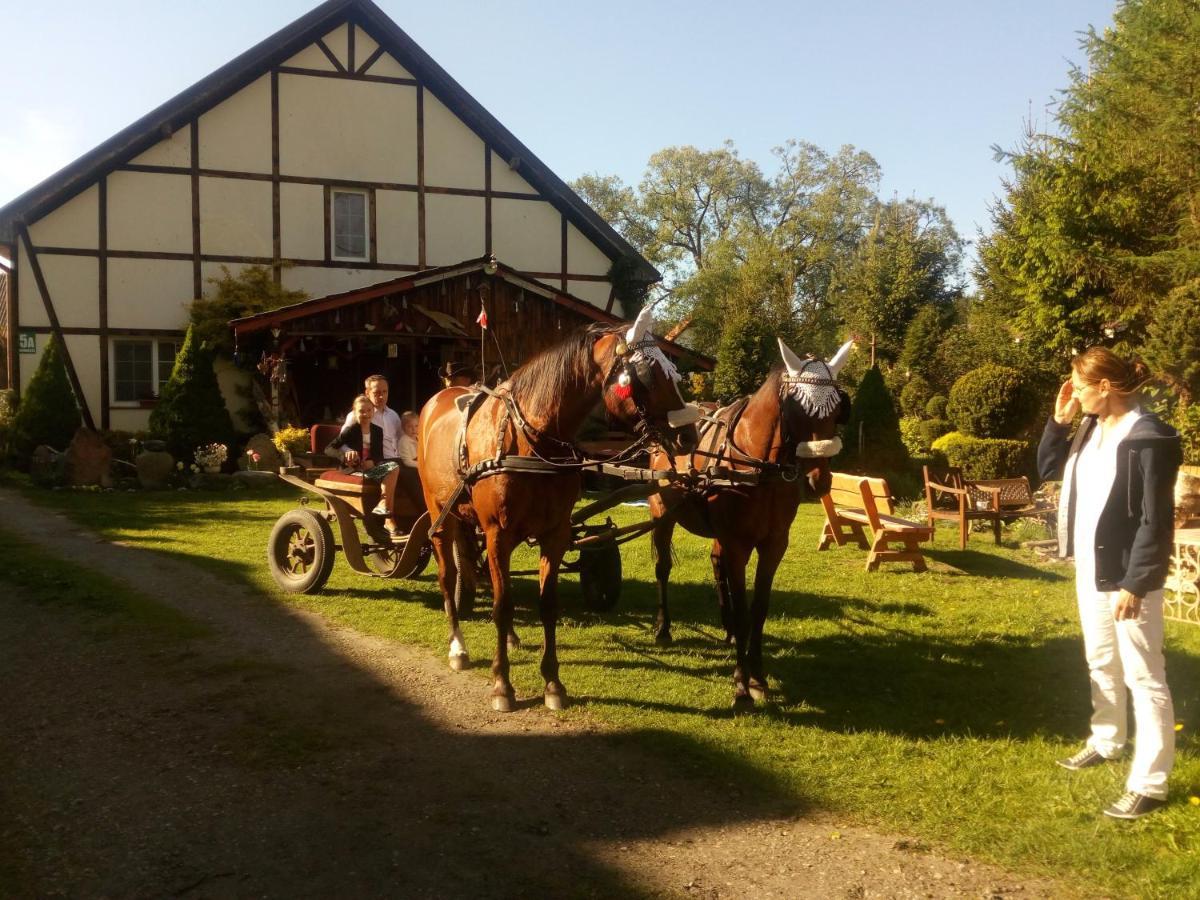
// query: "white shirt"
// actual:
[[389, 421], [407, 450], [1095, 472]]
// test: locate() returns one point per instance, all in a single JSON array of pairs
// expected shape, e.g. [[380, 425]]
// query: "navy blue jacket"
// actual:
[[1136, 528]]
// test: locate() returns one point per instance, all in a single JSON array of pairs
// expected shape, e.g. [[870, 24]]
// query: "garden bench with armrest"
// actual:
[[856, 503], [950, 496]]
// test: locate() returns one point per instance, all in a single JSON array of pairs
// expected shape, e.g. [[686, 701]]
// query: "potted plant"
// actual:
[[210, 457], [289, 441]]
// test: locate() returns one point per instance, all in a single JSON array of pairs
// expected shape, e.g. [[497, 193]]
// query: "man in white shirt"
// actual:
[[385, 417]]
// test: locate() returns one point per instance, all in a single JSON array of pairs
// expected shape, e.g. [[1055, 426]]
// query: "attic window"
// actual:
[[349, 219]]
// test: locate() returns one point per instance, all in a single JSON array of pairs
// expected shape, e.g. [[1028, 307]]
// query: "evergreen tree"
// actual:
[[48, 412], [191, 411], [872, 442]]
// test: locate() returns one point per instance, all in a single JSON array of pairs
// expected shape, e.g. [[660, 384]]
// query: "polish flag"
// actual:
[[481, 321]]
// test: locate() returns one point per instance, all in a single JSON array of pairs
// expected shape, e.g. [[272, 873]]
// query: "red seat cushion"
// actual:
[[319, 436]]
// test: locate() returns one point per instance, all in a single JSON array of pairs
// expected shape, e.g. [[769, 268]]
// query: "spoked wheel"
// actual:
[[388, 563], [600, 576], [300, 552]]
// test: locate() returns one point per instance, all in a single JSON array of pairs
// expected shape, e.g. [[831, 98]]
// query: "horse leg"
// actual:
[[722, 583], [733, 564], [553, 547], [499, 553], [445, 544], [769, 557], [664, 528]]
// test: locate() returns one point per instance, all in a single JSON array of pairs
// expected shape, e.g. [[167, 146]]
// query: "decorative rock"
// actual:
[[154, 468], [88, 459], [269, 459], [46, 466], [255, 479]]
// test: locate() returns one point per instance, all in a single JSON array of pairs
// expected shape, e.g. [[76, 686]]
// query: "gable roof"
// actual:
[[275, 50]]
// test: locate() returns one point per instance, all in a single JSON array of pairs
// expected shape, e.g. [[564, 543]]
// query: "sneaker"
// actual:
[[1085, 758], [381, 509], [1133, 806]]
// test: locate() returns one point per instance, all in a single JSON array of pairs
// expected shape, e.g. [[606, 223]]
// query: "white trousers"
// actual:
[[1126, 659]]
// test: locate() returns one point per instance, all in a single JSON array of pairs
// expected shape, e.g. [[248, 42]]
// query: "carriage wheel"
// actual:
[[300, 552], [600, 576], [387, 562]]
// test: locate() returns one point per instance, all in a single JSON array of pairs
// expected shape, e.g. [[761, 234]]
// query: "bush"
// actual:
[[47, 413], [984, 457], [872, 440], [936, 407], [252, 290], [1186, 420], [929, 430], [991, 402], [191, 410], [909, 427], [915, 395], [8, 407], [291, 440]]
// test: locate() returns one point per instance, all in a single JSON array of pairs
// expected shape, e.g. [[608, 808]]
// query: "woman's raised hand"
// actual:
[[1066, 404]]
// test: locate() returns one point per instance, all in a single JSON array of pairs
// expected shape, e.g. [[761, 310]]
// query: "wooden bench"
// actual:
[[857, 503]]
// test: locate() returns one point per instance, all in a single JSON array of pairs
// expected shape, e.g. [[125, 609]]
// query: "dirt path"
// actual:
[[282, 757]]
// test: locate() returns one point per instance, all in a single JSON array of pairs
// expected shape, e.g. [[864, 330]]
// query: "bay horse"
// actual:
[[786, 433], [534, 415]]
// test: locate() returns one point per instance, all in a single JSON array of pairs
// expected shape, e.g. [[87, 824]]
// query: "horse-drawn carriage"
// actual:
[[500, 467]]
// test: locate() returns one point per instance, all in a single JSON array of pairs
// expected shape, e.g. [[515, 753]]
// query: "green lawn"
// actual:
[[932, 704]]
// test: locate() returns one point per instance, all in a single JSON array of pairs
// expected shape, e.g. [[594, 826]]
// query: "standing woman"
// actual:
[[1116, 517]]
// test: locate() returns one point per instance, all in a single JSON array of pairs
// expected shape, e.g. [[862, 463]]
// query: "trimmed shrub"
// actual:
[[991, 402], [909, 428], [47, 413], [191, 410], [929, 430], [936, 407], [984, 457], [872, 441], [1186, 421], [915, 395]]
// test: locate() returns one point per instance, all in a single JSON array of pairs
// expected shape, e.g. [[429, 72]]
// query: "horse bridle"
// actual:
[[635, 365], [788, 385]]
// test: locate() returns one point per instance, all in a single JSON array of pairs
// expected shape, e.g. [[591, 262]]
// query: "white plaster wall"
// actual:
[[453, 152], [454, 229], [85, 355], [74, 285], [319, 282], [364, 46], [527, 234], [234, 383], [235, 217], [125, 419], [173, 151], [74, 224], [584, 257], [337, 41], [336, 128], [387, 66], [302, 221], [213, 270], [149, 212], [593, 292], [31, 312], [505, 179], [235, 135], [396, 226], [311, 57], [148, 293]]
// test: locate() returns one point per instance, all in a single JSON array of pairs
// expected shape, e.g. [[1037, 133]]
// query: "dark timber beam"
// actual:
[[40, 279]]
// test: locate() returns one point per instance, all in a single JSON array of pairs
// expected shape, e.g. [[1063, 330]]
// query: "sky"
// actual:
[[927, 87]]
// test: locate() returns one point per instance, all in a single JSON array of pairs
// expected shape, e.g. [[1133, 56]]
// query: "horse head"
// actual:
[[812, 405], [641, 387]]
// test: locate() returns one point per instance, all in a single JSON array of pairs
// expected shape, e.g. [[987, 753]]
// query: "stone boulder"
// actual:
[[89, 459], [46, 466], [154, 469], [269, 459]]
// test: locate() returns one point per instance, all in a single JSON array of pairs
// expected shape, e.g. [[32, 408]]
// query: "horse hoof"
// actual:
[[503, 703], [460, 662], [758, 692], [664, 639], [514, 643], [555, 702], [743, 703]]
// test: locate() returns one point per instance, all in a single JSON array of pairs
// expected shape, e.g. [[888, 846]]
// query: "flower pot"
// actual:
[[212, 470]]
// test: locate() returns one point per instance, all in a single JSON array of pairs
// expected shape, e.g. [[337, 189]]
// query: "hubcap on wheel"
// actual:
[[301, 552]]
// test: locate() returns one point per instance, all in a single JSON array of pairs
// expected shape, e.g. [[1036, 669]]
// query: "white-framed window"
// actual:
[[348, 216], [139, 367]]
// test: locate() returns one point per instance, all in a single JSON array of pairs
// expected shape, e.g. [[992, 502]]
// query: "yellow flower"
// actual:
[[1179, 726], [939, 721], [1195, 801]]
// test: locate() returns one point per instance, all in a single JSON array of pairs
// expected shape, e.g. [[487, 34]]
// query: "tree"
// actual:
[[190, 410], [872, 441], [252, 290], [1172, 347], [48, 412]]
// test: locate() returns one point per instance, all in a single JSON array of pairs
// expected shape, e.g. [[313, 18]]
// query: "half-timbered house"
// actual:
[[340, 155]]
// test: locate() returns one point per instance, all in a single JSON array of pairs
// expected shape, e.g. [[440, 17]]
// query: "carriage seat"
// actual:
[[363, 494]]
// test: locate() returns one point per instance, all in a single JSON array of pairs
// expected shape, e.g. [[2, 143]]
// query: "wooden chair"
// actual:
[[856, 503], [950, 496]]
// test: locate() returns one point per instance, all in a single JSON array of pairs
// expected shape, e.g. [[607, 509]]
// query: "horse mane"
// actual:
[[542, 383]]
